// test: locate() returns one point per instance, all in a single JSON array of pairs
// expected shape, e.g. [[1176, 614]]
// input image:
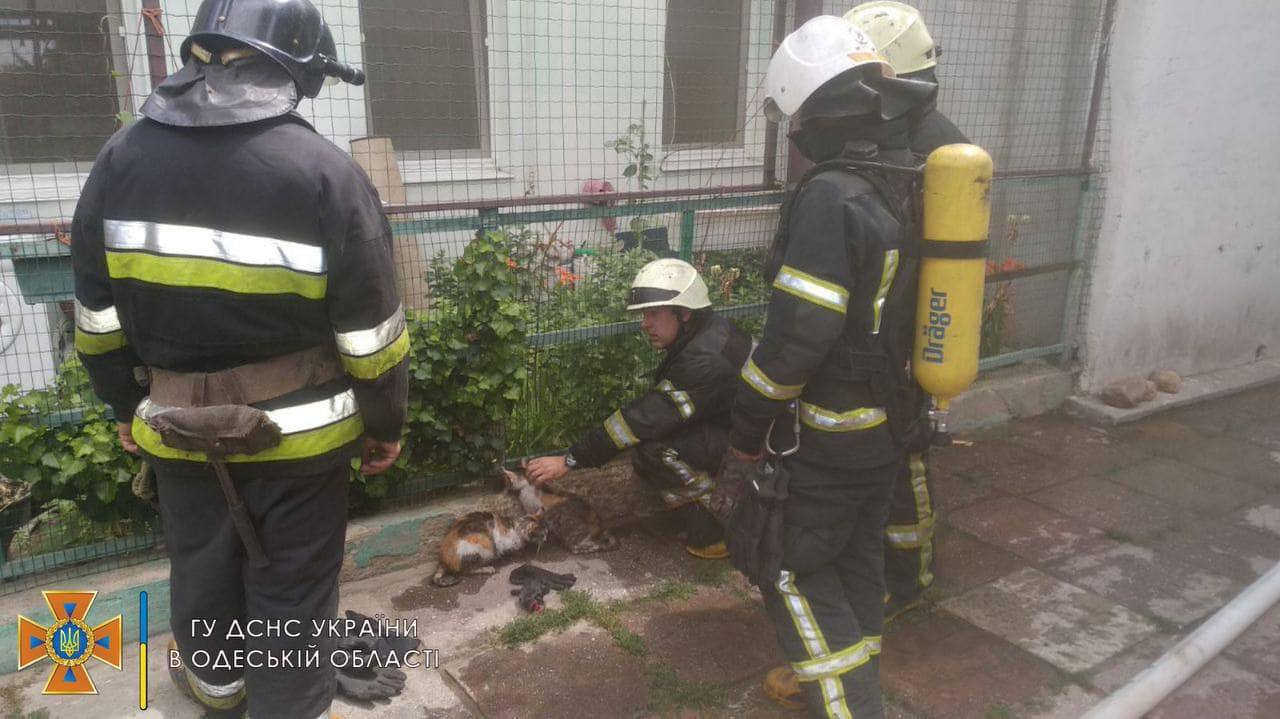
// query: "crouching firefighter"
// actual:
[[680, 427], [235, 307], [825, 400]]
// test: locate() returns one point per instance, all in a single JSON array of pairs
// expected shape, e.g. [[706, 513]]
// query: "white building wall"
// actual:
[[1187, 272]]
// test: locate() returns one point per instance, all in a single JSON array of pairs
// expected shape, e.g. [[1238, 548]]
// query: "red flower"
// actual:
[[566, 277]]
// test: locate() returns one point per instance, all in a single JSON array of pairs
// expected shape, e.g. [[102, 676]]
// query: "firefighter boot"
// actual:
[[231, 706], [783, 688]]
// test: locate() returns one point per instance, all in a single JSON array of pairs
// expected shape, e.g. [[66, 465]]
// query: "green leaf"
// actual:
[[630, 171]]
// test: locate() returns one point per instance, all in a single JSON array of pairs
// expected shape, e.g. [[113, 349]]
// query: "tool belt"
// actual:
[[209, 412]]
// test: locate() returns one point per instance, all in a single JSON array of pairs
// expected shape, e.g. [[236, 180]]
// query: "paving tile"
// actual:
[[1026, 529], [1146, 581], [1003, 464], [1208, 418], [1264, 434], [1264, 515], [962, 561], [950, 490], [1232, 457], [1222, 689], [1222, 546], [580, 672], [1260, 403], [1065, 625], [1110, 506], [1256, 648], [941, 666], [712, 637], [1188, 486], [1066, 703], [1082, 447], [1118, 670]]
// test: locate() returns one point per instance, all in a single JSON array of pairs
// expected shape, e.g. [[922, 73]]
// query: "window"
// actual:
[[58, 98], [427, 74], [703, 78]]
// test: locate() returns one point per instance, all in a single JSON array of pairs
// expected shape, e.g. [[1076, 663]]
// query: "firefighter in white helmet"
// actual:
[[901, 36], [817, 399], [680, 427]]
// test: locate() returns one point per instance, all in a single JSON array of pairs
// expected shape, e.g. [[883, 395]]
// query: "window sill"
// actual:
[[24, 188], [710, 158], [432, 172]]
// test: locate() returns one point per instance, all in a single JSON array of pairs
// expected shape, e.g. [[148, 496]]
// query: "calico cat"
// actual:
[[477, 539], [564, 516]]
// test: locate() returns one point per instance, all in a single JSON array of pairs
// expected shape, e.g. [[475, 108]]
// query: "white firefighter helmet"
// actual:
[[899, 34], [668, 283], [819, 50]]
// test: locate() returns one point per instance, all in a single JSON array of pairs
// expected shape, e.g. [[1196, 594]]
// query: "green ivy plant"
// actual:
[[466, 369]]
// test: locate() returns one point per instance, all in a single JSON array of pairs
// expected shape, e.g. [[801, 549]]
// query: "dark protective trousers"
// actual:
[[908, 540], [828, 604], [301, 523], [682, 469]]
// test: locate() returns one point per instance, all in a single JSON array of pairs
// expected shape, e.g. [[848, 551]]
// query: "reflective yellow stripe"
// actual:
[[924, 514], [374, 365], [681, 399], [214, 274], [886, 281], [295, 446], [760, 382], [97, 344], [827, 420], [801, 615], [833, 665], [310, 429], [619, 431], [909, 536], [811, 289]]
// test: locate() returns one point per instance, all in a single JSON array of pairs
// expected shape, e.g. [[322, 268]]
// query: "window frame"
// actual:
[[699, 153]]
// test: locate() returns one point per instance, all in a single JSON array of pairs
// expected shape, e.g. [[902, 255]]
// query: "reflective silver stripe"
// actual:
[[886, 281], [833, 698], [843, 661], [191, 241], [290, 420], [910, 536], [700, 487], [831, 421], [619, 431], [359, 343], [760, 381], [215, 690], [98, 322], [807, 287], [801, 616], [680, 398]]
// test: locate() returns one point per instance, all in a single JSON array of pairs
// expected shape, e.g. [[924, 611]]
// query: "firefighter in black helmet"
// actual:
[[235, 307], [817, 396]]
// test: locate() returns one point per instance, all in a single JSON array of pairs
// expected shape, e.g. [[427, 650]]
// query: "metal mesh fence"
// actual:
[[581, 128]]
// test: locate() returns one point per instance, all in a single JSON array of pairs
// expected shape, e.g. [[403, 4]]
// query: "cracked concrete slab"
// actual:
[[1062, 624], [1147, 581], [1187, 486], [1026, 529]]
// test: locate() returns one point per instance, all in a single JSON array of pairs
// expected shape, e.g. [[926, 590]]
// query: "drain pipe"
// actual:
[[1157, 681]]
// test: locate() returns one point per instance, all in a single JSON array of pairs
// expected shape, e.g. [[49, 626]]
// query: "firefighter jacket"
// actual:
[[695, 383], [831, 300], [202, 249], [933, 131]]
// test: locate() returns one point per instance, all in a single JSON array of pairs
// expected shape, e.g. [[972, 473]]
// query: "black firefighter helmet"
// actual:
[[291, 32]]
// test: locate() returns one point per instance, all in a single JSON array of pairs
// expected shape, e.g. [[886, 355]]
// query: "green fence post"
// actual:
[[686, 235]]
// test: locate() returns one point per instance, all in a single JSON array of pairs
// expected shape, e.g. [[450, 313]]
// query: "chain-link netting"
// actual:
[[594, 135]]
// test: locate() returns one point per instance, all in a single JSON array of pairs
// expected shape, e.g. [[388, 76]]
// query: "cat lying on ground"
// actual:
[[568, 518], [477, 539]]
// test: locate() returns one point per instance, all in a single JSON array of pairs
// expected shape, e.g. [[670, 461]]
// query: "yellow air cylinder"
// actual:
[[957, 212]]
